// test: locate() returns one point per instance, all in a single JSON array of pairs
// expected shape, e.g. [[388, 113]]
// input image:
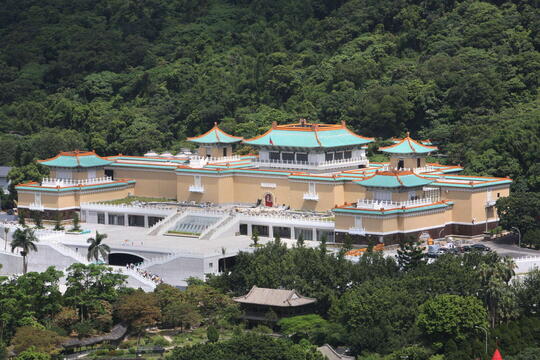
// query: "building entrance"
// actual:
[[122, 259], [268, 200]]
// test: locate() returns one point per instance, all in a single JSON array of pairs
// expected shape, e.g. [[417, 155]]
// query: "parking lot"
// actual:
[[507, 246]]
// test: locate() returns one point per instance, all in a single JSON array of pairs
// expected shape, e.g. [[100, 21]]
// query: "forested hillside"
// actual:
[[127, 76]]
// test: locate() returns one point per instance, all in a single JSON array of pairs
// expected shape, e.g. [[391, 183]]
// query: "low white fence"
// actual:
[[293, 164], [73, 182], [384, 204]]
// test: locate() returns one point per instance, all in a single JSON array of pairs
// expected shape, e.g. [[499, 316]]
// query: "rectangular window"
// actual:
[[136, 220], [243, 229], [301, 157], [282, 231], [347, 154], [91, 173], [197, 180], [64, 174], [101, 218], [329, 156], [339, 155], [307, 234], [274, 155], [358, 222], [115, 219], [329, 235], [312, 188], [109, 173], [287, 156], [261, 230], [412, 195], [383, 195], [37, 198]]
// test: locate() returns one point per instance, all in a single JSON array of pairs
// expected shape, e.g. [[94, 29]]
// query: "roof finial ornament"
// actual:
[[274, 124], [215, 123], [408, 134]]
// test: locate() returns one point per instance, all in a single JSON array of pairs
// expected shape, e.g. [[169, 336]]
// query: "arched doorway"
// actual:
[[122, 259], [268, 200]]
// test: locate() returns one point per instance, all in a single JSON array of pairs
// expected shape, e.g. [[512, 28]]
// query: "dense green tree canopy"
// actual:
[[133, 76], [247, 347], [451, 316]]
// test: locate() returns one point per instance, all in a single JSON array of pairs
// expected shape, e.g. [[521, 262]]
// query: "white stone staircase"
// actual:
[[51, 238], [148, 284], [158, 227], [220, 224]]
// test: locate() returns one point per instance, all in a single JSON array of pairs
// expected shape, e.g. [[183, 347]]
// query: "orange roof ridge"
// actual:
[[216, 129], [75, 153]]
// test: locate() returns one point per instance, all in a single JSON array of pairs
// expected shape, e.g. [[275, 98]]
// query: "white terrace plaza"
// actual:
[[306, 179]]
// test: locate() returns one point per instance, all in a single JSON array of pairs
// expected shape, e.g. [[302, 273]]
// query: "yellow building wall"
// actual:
[[112, 194], [469, 205], [408, 163], [391, 224], [462, 209], [248, 189], [73, 199], [352, 192], [24, 199], [156, 184], [215, 151], [79, 174]]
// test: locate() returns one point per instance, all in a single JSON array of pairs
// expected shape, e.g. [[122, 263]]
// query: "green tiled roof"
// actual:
[[215, 136], [75, 187], [467, 181], [309, 136], [394, 180], [76, 159], [408, 146]]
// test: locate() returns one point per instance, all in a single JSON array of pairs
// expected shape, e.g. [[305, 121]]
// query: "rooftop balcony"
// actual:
[[201, 161], [53, 182], [383, 204], [311, 196], [196, 189], [305, 165]]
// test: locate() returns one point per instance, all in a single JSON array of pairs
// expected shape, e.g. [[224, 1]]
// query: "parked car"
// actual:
[[464, 248], [480, 247], [445, 250]]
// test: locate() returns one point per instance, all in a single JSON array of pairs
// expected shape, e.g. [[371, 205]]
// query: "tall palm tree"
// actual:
[[97, 247], [24, 239]]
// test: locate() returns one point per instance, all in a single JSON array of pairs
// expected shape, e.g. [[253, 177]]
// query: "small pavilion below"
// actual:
[[270, 305]]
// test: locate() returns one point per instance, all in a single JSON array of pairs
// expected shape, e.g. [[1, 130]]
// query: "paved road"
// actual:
[[507, 246]]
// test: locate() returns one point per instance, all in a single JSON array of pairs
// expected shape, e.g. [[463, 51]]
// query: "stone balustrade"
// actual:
[[54, 182], [384, 204]]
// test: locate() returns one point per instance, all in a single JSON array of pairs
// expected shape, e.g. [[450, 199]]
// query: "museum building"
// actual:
[[302, 166]]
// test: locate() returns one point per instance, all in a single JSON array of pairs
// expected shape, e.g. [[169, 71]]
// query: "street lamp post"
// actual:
[[440, 232], [6, 232], [519, 235], [486, 332]]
